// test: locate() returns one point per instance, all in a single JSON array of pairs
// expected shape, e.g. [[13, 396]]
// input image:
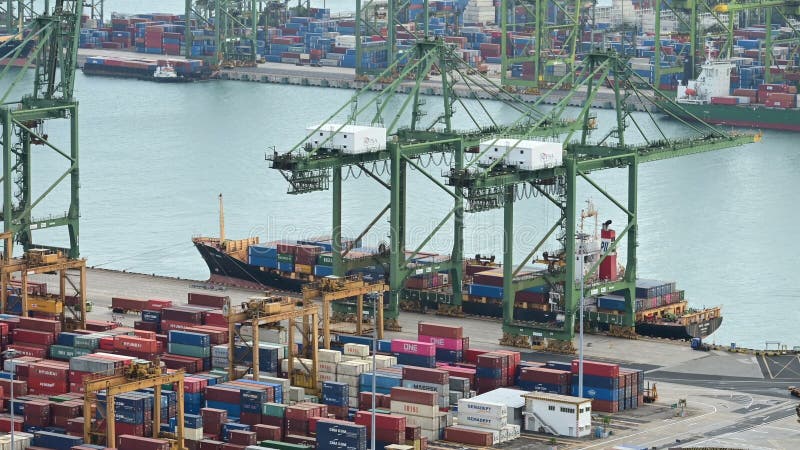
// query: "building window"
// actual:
[[551, 408], [568, 410], [345, 136], [320, 134]]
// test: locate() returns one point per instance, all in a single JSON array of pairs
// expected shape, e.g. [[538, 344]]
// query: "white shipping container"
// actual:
[[481, 420], [442, 389], [350, 380], [194, 434], [384, 361], [477, 407], [414, 409], [301, 365], [353, 368], [262, 376], [494, 148], [220, 351], [431, 435], [296, 394], [325, 376], [426, 423], [513, 431], [264, 334], [535, 155], [346, 41], [348, 139], [327, 367], [326, 355], [360, 350]]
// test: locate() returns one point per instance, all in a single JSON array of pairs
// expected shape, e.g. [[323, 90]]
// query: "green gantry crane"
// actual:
[[309, 165], [528, 35], [726, 16], [52, 41], [234, 23], [583, 156], [312, 166]]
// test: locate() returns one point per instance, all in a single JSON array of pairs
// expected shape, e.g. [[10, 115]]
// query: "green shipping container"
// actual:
[[325, 259], [64, 352], [283, 257], [90, 341], [273, 409], [283, 445], [189, 350]]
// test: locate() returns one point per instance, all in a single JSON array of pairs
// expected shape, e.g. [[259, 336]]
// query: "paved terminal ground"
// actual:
[[733, 400]]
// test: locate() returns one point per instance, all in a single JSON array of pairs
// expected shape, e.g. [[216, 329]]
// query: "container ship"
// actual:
[[710, 99], [141, 69], [661, 309]]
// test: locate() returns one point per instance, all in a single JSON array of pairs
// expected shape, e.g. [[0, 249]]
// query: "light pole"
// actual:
[[10, 354], [374, 371], [581, 256]]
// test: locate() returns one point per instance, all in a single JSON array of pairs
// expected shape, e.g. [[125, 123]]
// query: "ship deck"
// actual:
[[732, 398]]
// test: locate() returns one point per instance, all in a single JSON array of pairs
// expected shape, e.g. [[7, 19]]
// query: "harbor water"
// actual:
[[154, 157]]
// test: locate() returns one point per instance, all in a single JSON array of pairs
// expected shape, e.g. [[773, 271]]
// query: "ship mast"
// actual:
[[221, 222]]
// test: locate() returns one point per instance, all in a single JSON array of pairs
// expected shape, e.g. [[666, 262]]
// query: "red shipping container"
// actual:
[[287, 249], [144, 334], [128, 442], [493, 360], [49, 370], [544, 375], [595, 368], [25, 336], [157, 304], [40, 386], [390, 436], [209, 300], [135, 343], [417, 396], [471, 355], [297, 426], [271, 421], [215, 318], [37, 351], [229, 446], [244, 438], [468, 436], [413, 347], [5, 424], [267, 432], [249, 418], [128, 304], [37, 413], [382, 421], [172, 325], [425, 375], [605, 406], [30, 323]]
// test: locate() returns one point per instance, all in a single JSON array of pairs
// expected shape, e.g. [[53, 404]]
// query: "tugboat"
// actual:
[[167, 74]]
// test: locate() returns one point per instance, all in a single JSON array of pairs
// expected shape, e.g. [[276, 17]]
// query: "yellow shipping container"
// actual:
[[45, 306], [303, 268]]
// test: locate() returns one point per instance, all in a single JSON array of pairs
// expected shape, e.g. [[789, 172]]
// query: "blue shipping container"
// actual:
[[189, 338]]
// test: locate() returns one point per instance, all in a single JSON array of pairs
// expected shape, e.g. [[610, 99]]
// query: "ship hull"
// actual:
[[746, 116], [138, 74], [700, 329], [229, 271]]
